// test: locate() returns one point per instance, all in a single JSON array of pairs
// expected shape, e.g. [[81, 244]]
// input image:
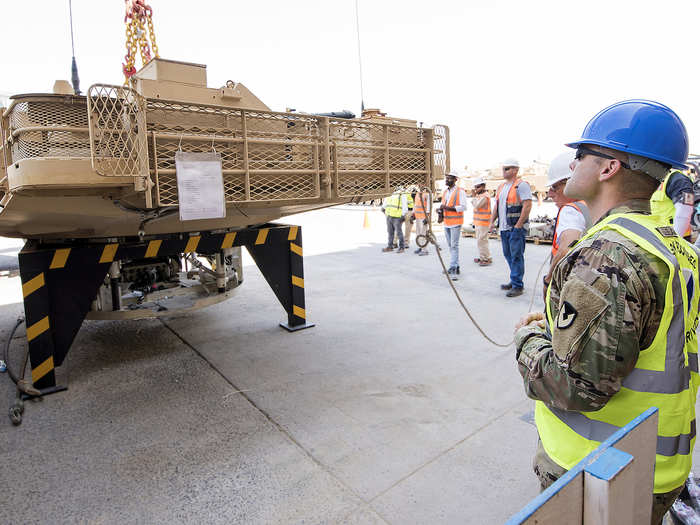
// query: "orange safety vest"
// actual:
[[482, 216], [514, 205], [578, 205], [419, 205], [453, 218]]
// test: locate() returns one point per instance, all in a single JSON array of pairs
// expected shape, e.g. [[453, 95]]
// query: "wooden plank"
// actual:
[[563, 507], [641, 443], [608, 490], [536, 240], [612, 485]]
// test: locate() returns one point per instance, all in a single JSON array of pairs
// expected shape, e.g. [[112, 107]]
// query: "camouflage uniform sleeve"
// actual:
[[600, 311]]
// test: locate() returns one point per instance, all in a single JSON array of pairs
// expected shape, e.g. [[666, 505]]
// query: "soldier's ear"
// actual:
[[608, 169]]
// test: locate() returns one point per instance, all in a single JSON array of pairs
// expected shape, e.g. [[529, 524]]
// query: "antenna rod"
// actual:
[[75, 79], [359, 55]]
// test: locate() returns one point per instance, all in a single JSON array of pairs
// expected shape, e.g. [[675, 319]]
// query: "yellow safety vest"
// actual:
[[409, 200], [661, 204], [666, 373], [393, 206]]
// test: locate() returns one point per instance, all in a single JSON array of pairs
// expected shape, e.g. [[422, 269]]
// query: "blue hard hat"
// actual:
[[640, 127]]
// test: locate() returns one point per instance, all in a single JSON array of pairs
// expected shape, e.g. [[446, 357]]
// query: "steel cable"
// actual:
[[430, 238]]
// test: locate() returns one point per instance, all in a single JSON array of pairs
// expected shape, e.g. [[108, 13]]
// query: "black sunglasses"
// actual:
[[582, 151]]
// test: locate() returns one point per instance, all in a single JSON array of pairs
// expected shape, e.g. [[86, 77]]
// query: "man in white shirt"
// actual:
[[513, 205], [573, 218]]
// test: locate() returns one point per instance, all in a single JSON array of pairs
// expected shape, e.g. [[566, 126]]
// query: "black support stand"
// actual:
[[60, 281]]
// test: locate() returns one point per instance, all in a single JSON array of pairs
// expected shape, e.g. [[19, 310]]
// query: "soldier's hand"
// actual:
[[530, 318]]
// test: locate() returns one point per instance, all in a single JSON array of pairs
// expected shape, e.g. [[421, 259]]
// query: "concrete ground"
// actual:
[[392, 409]]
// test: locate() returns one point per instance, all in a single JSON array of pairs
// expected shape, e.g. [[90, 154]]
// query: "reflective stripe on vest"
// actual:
[[453, 218], [583, 210], [393, 206], [664, 376], [482, 216], [514, 205], [420, 205], [661, 204], [409, 200]]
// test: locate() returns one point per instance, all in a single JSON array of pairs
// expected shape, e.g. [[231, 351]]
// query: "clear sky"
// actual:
[[510, 78]]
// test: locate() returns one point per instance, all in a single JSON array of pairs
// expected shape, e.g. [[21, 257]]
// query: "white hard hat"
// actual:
[[452, 174], [511, 162], [477, 181], [559, 168]]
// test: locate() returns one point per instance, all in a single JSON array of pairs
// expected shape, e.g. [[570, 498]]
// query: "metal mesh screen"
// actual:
[[116, 116], [48, 129], [372, 159], [3, 163], [3, 145], [441, 147], [266, 156]]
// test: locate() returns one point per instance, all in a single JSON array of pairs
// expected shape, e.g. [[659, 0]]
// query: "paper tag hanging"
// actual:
[[200, 186]]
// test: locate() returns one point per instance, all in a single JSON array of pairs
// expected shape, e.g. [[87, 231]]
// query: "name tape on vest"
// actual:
[[666, 231]]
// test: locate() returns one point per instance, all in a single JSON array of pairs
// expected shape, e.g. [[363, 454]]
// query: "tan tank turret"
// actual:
[[91, 166]]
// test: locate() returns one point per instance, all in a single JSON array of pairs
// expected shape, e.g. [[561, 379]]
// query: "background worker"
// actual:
[[408, 218], [573, 217], [674, 202], [481, 202], [621, 307], [395, 208], [451, 211], [420, 214], [513, 205], [407, 223]]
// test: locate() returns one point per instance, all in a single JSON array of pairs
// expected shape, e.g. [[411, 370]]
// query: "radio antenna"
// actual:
[[359, 55], [75, 79]]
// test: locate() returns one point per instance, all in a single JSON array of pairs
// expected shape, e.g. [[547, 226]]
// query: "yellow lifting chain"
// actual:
[[138, 15]]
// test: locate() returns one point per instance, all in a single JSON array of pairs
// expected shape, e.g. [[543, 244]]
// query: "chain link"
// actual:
[[152, 34], [137, 38]]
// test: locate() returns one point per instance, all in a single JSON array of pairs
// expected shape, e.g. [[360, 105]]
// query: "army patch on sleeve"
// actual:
[[567, 316]]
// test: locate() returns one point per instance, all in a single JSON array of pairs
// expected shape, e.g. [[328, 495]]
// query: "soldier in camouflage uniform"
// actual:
[[606, 301]]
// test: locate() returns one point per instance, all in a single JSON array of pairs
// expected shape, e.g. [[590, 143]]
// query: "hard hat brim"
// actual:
[[558, 179], [624, 149]]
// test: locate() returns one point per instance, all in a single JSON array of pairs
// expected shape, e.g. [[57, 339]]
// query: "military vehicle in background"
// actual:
[[535, 174], [541, 224]]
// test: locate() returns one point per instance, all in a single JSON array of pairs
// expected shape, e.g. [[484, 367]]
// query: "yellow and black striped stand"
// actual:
[[60, 281], [284, 272]]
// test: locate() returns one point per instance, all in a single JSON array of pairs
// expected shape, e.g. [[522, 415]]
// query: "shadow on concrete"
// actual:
[[369, 413]]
